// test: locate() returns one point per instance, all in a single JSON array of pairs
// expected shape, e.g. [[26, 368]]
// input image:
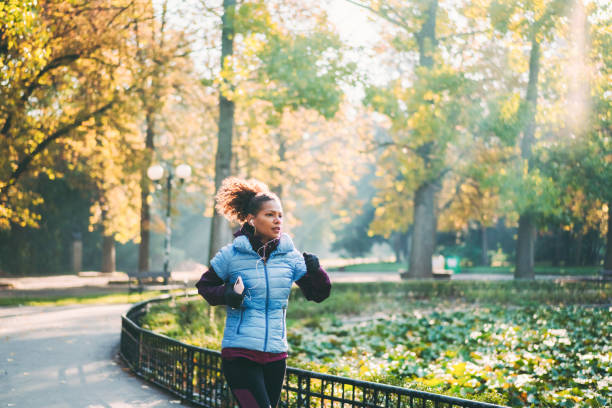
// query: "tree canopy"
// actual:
[[481, 113]]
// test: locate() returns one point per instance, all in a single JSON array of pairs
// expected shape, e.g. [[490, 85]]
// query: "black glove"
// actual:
[[312, 262], [232, 298]]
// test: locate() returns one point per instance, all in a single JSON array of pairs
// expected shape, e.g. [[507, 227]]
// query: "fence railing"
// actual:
[[194, 374]]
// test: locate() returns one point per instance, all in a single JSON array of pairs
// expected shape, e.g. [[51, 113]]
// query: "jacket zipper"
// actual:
[[267, 301], [284, 321]]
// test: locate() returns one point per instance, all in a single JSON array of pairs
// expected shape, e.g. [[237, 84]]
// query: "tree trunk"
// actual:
[[396, 239], [282, 153], [593, 248], [145, 226], [404, 242], [151, 100], [424, 234], [608, 255], [408, 248], [525, 247], [219, 231], [145, 212], [77, 253], [426, 37], [276, 183], [578, 243], [484, 247], [558, 237], [527, 229], [567, 245], [108, 254]]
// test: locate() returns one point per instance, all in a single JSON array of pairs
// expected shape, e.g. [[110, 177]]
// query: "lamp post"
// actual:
[[155, 173]]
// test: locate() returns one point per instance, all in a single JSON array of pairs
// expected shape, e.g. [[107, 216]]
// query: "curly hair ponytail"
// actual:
[[237, 198]]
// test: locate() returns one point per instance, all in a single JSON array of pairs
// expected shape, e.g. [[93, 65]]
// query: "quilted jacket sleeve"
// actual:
[[221, 262]]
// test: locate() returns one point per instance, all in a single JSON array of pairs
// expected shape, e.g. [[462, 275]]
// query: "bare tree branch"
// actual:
[[34, 84], [211, 10], [382, 145], [382, 14], [470, 33], [453, 197]]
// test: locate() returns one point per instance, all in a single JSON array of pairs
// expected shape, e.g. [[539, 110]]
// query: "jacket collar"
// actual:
[[245, 240]]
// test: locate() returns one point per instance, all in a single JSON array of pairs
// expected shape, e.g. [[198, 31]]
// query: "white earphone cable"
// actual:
[[263, 260]]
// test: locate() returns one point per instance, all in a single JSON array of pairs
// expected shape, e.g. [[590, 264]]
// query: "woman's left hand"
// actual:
[[312, 262]]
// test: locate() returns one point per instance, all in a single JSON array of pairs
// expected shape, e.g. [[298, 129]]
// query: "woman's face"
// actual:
[[268, 221]]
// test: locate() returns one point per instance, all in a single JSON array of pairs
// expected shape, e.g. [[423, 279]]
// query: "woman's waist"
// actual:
[[261, 357]]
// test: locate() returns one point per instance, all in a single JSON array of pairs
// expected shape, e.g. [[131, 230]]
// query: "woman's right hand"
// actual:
[[239, 286], [232, 297]]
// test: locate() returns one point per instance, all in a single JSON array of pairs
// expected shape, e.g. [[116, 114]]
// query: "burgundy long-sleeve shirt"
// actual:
[[315, 285]]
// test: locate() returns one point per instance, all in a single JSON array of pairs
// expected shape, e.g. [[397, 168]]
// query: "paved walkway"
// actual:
[[86, 283], [65, 357]]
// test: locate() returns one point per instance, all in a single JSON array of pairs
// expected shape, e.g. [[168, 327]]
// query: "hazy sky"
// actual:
[[353, 23]]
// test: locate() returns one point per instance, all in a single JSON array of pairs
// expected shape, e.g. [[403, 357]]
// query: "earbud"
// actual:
[[252, 223]]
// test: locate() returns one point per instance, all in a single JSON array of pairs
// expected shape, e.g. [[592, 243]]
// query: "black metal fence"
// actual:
[[194, 374]]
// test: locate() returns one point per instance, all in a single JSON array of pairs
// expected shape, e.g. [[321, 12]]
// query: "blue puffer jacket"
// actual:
[[259, 324]]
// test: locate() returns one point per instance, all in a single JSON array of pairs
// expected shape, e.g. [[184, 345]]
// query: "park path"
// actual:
[[64, 357]]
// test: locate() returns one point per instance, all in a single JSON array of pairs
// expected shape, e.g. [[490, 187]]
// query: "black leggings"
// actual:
[[254, 385]]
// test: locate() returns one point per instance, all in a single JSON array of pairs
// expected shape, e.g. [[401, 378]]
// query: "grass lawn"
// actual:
[[89, 299], [539, 269]]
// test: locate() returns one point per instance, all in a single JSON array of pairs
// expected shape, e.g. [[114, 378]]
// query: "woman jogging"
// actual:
[[253, 277]]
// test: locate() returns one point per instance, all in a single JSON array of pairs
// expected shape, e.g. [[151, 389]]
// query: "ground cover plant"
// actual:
[[539, 344], [536, 356]]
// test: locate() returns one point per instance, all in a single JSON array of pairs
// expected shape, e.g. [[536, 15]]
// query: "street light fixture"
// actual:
[[155, 173], [183, 172]]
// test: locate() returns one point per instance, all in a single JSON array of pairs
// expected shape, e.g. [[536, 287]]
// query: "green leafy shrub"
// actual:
[[532, 356], [536, 343]]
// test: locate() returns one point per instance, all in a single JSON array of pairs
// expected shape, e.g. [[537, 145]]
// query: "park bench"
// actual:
[[438, 268], [605, 275], [138, 281]]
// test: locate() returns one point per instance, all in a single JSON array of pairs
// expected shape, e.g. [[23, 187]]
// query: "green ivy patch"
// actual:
[[518, 343], [536, 356]]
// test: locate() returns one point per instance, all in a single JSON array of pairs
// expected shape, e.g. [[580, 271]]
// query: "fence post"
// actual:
[[308, 391], [299, 391], [139, 366], [190, 365]]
